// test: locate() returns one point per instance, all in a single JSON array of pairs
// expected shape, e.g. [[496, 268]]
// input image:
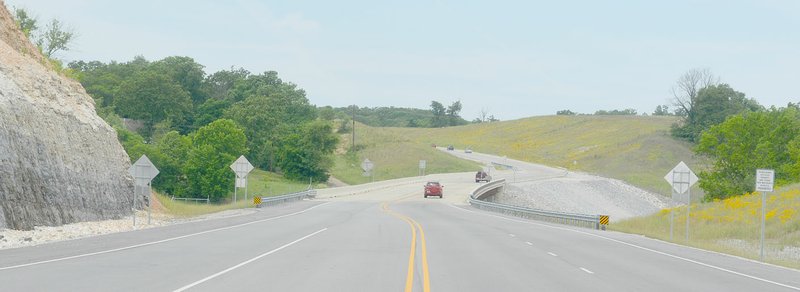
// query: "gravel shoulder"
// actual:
[[10, 238]]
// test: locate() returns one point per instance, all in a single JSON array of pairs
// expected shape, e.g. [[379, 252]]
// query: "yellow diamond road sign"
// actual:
[[256, 200]]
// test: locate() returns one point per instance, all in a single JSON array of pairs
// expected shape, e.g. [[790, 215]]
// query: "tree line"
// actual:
[[736, 133], [437, 116], [193, 125]]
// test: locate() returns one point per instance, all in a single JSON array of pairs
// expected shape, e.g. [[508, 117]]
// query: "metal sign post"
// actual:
[[242, 168], [143, 172], [671, 213], [682, 179], [765, 181]]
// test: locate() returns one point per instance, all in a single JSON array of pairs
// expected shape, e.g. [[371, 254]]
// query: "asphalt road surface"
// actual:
[[380, 237]]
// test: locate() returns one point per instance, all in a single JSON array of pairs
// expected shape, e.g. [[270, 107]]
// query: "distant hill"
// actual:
[[391, 116], [635, 149]]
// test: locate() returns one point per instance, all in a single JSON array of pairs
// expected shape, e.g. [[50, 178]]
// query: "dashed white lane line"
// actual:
[[528, 243], [552, 254], [512, 235], [637, 246], [248, 261], [587, 271]]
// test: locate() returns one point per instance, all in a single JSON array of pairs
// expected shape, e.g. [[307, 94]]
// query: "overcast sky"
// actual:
[[514, 59]]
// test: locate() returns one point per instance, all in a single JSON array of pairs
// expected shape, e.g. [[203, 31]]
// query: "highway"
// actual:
[[380, 237]]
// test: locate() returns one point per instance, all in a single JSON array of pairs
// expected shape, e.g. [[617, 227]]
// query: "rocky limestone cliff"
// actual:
[[59, 162]]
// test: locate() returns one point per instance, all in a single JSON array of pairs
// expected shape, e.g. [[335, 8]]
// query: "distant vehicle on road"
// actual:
[[450, 148], [482, 176], [433, 188], [468, 150]]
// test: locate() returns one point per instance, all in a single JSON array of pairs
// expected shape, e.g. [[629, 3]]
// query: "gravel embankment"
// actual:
[[585, 194]]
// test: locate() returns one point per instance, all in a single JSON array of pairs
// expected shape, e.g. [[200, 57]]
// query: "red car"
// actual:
[[433, 188]]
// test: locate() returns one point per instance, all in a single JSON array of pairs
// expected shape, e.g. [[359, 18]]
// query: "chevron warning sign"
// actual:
[[603, 219], [256, 200]]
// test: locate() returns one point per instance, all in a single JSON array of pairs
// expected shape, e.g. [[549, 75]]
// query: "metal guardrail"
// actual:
[[268, 201], [591, 221], [191, 199]]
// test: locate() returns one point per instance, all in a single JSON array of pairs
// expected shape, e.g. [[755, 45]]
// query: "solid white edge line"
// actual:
[[528, 243], [552, 254], [639, 247], [248, 261], [156, 242], [587, 271], [512, 235]]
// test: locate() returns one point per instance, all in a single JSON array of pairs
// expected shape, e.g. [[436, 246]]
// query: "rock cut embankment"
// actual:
[[59, 162]]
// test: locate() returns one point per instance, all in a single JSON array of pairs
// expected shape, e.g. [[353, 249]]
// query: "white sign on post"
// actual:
[[367, 165], [422, 164], [242, 168], [143, 172], [241, 182], [681, 178], [765, 180]]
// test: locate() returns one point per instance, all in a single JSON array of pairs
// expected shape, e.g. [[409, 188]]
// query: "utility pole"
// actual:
[[353, 146]]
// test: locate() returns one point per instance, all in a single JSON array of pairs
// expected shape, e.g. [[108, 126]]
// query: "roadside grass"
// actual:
[[192, 209], [394, 154], [635, 149], [259, 183], [267, 184], [732, 226]]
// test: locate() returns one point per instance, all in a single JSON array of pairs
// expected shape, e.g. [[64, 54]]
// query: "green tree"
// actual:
[[220, 84], [271, 109], [174, 150], [306, 152], [746, 142], [565, 113], [712, 105], [438, 110], [98, 80], [661, 110], [625, 112], [151, 96], [453, 111], [326, 113], [55, 38], [187, 73], [211, 110], [214, 148], [26, 22]]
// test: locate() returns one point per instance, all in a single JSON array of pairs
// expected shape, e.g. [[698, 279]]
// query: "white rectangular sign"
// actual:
[[765, 180], [241, 182], [422, 164]]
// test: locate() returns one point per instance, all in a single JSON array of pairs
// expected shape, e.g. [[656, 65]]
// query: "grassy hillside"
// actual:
[[394, 154], [636, 149], [732, 226]]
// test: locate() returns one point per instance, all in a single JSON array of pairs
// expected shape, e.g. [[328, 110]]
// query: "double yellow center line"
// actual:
[[426, 283]]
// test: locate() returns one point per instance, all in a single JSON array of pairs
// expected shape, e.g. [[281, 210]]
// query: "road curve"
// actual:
[[380, 238]]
